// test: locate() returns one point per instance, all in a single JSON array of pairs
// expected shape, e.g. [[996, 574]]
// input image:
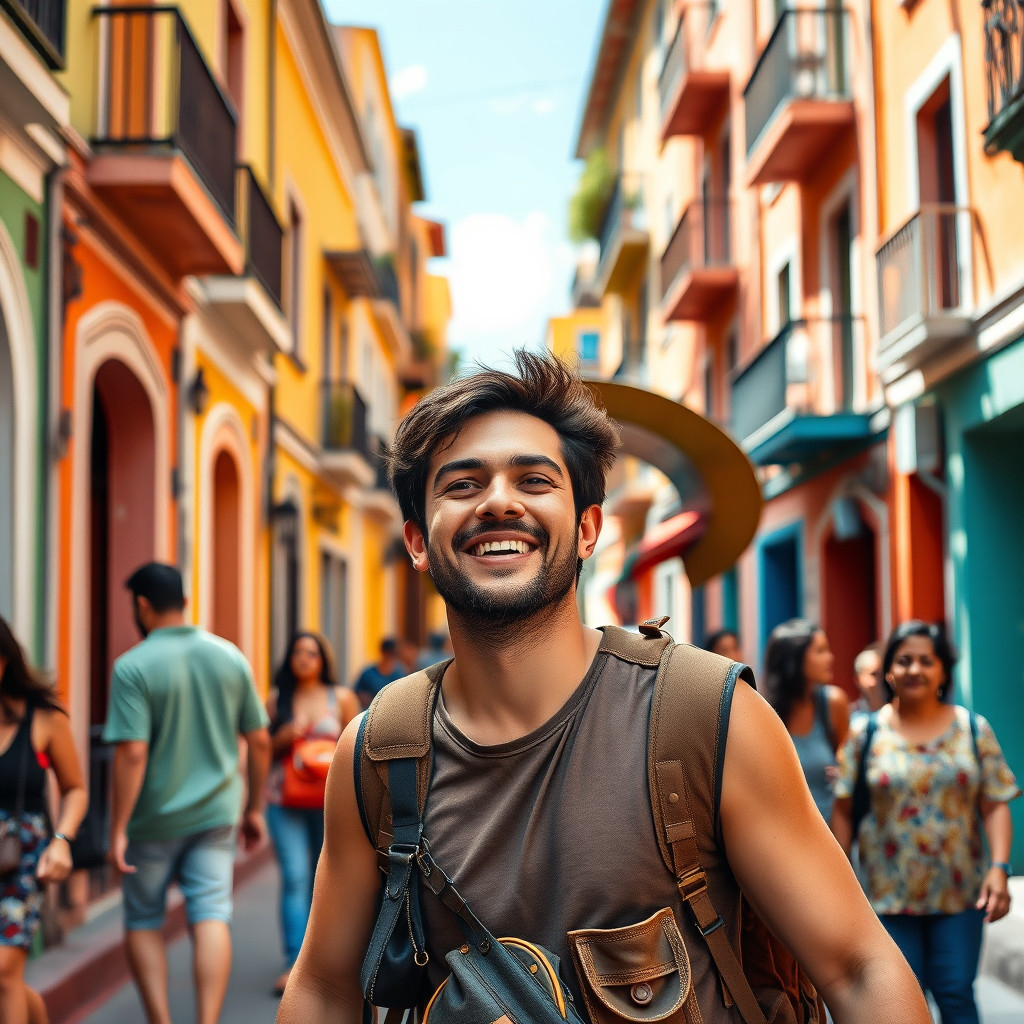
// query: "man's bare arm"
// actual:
[[797, 878], [323, 987], [130, 760]]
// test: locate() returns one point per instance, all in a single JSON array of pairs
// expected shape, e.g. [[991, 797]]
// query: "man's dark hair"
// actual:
[[784, 681], [160, 585], [941, 645], [389, 645], [541, 386]]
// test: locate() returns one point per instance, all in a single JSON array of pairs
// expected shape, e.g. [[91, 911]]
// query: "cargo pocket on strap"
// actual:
[[639, 973]]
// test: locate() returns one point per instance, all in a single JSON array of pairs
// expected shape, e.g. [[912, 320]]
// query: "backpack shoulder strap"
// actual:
[[684, 766], [397, 727]]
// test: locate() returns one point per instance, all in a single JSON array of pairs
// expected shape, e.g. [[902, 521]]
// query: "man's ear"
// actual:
[[590, 529], [416, 545]]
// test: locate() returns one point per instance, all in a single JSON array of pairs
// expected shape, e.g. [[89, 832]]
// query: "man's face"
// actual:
[[869, 678], [504, 541]]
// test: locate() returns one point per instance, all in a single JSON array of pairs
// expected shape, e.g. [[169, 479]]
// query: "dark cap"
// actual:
[[159, 584]]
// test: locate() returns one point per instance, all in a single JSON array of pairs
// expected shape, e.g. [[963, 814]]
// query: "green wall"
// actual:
[[984, 430], [14, 205]]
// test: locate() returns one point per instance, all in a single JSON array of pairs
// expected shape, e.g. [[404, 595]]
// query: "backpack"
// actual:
[[762, 979]]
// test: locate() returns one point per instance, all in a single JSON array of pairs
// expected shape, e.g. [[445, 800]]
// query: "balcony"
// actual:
[[43, 24], [1004, 76], [798, 100], [165, 141], [347, 454], [692, 94], [698, 278], [925, 287], [251, 302], [378, 499], [792, 402], [624, 238]]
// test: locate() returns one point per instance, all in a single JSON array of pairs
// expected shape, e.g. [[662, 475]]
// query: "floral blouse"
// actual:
[[920, 843]]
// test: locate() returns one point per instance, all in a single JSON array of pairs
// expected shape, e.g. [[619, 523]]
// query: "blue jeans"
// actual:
[[297, 836], [943, 951]]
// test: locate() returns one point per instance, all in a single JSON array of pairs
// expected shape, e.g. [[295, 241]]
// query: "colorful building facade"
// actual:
[[808, 222]]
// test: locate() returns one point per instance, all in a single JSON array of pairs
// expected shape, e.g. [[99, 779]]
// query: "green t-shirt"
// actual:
[[188, 694]]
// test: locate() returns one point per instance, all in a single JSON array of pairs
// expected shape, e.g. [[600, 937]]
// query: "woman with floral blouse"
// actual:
[[934, 784]]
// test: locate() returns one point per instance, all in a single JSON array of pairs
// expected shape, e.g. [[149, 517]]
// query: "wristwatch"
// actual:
[[1004, 865], [61, 835]]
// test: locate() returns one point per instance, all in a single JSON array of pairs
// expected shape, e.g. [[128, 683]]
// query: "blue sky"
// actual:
[[494, 89]]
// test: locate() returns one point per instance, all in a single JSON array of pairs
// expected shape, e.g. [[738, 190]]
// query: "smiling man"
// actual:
[[538, 804]]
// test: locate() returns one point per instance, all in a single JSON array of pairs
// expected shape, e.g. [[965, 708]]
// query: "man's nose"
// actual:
[[500, 501]]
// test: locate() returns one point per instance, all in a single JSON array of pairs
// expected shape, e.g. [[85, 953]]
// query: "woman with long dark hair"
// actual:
[[936, 779], [35, 735], [308, 712], [797, 682]]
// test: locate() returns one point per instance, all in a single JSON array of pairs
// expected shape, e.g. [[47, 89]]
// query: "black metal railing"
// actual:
[[156, 91], [261, 233], [701, 239], [380, 466], [807, 57], [344, 416], [387, 281], [922, 268], [793, 372], [43, 22], [625, 210], [1004, 53], [687, 50]]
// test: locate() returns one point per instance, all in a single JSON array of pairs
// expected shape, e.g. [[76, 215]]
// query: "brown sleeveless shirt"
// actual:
[[554, 831]]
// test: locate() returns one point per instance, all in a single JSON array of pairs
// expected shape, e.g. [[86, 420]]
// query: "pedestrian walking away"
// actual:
[[376, 676], [35, 735], [933, 779], [798, 672], [533, 745], [308, 712], [179, 700]]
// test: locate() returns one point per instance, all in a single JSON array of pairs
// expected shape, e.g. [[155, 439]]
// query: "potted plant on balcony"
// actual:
[[587, 207]]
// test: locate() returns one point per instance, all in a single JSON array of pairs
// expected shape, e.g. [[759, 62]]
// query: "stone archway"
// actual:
[[19, 441]]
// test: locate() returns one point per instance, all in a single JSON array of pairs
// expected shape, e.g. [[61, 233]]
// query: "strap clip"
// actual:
[[692, 884], [713, 927]]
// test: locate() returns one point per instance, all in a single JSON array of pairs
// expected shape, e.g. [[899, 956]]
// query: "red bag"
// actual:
[[304, 785]]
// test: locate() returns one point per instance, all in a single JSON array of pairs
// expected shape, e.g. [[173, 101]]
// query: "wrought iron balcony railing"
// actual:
[[924, 270], [806, 58], [625, 210], [687, 50], [156, 92], [43, 22], [701, 239], [261, 234], [1004, 54], [344, 414], [387, 281], [804, 369]]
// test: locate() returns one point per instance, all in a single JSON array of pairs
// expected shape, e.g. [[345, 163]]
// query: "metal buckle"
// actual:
[[402, 853], [713, 927], [695, 878]]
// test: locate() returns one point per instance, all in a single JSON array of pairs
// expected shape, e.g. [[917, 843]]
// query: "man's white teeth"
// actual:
[[501, 547]]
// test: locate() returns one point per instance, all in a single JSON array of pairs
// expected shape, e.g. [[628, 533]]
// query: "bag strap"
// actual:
[[684, 764]]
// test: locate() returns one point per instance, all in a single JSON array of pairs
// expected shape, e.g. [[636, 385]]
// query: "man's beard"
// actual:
[[485, 610]]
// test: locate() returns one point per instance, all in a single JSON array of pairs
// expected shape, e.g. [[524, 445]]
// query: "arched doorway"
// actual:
[[6, 477], [225, 619], [122, 511]]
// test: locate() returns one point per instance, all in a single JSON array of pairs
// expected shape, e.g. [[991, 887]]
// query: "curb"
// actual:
[[79, 975]]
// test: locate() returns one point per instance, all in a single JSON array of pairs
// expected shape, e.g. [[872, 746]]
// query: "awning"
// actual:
[[669, 539]]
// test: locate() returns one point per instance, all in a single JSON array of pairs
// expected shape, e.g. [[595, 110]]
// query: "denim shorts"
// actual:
[[203, 866]]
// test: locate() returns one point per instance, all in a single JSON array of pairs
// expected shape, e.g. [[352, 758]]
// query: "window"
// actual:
[[785, 304], [234, 63], [326, 333], [293, 291], [587, 343]]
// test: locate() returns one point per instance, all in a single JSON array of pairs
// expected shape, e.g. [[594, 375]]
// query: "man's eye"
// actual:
[[537, 481]]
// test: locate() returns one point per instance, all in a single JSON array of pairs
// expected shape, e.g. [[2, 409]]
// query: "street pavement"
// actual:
[[257, 961]]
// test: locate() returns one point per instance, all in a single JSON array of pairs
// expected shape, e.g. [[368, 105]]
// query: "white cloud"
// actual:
[[507, 277], [544, 105], [517, 103], [408, 80]]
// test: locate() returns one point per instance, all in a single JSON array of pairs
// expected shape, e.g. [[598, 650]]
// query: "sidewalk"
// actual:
[[1003, 956], [89, 966]]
